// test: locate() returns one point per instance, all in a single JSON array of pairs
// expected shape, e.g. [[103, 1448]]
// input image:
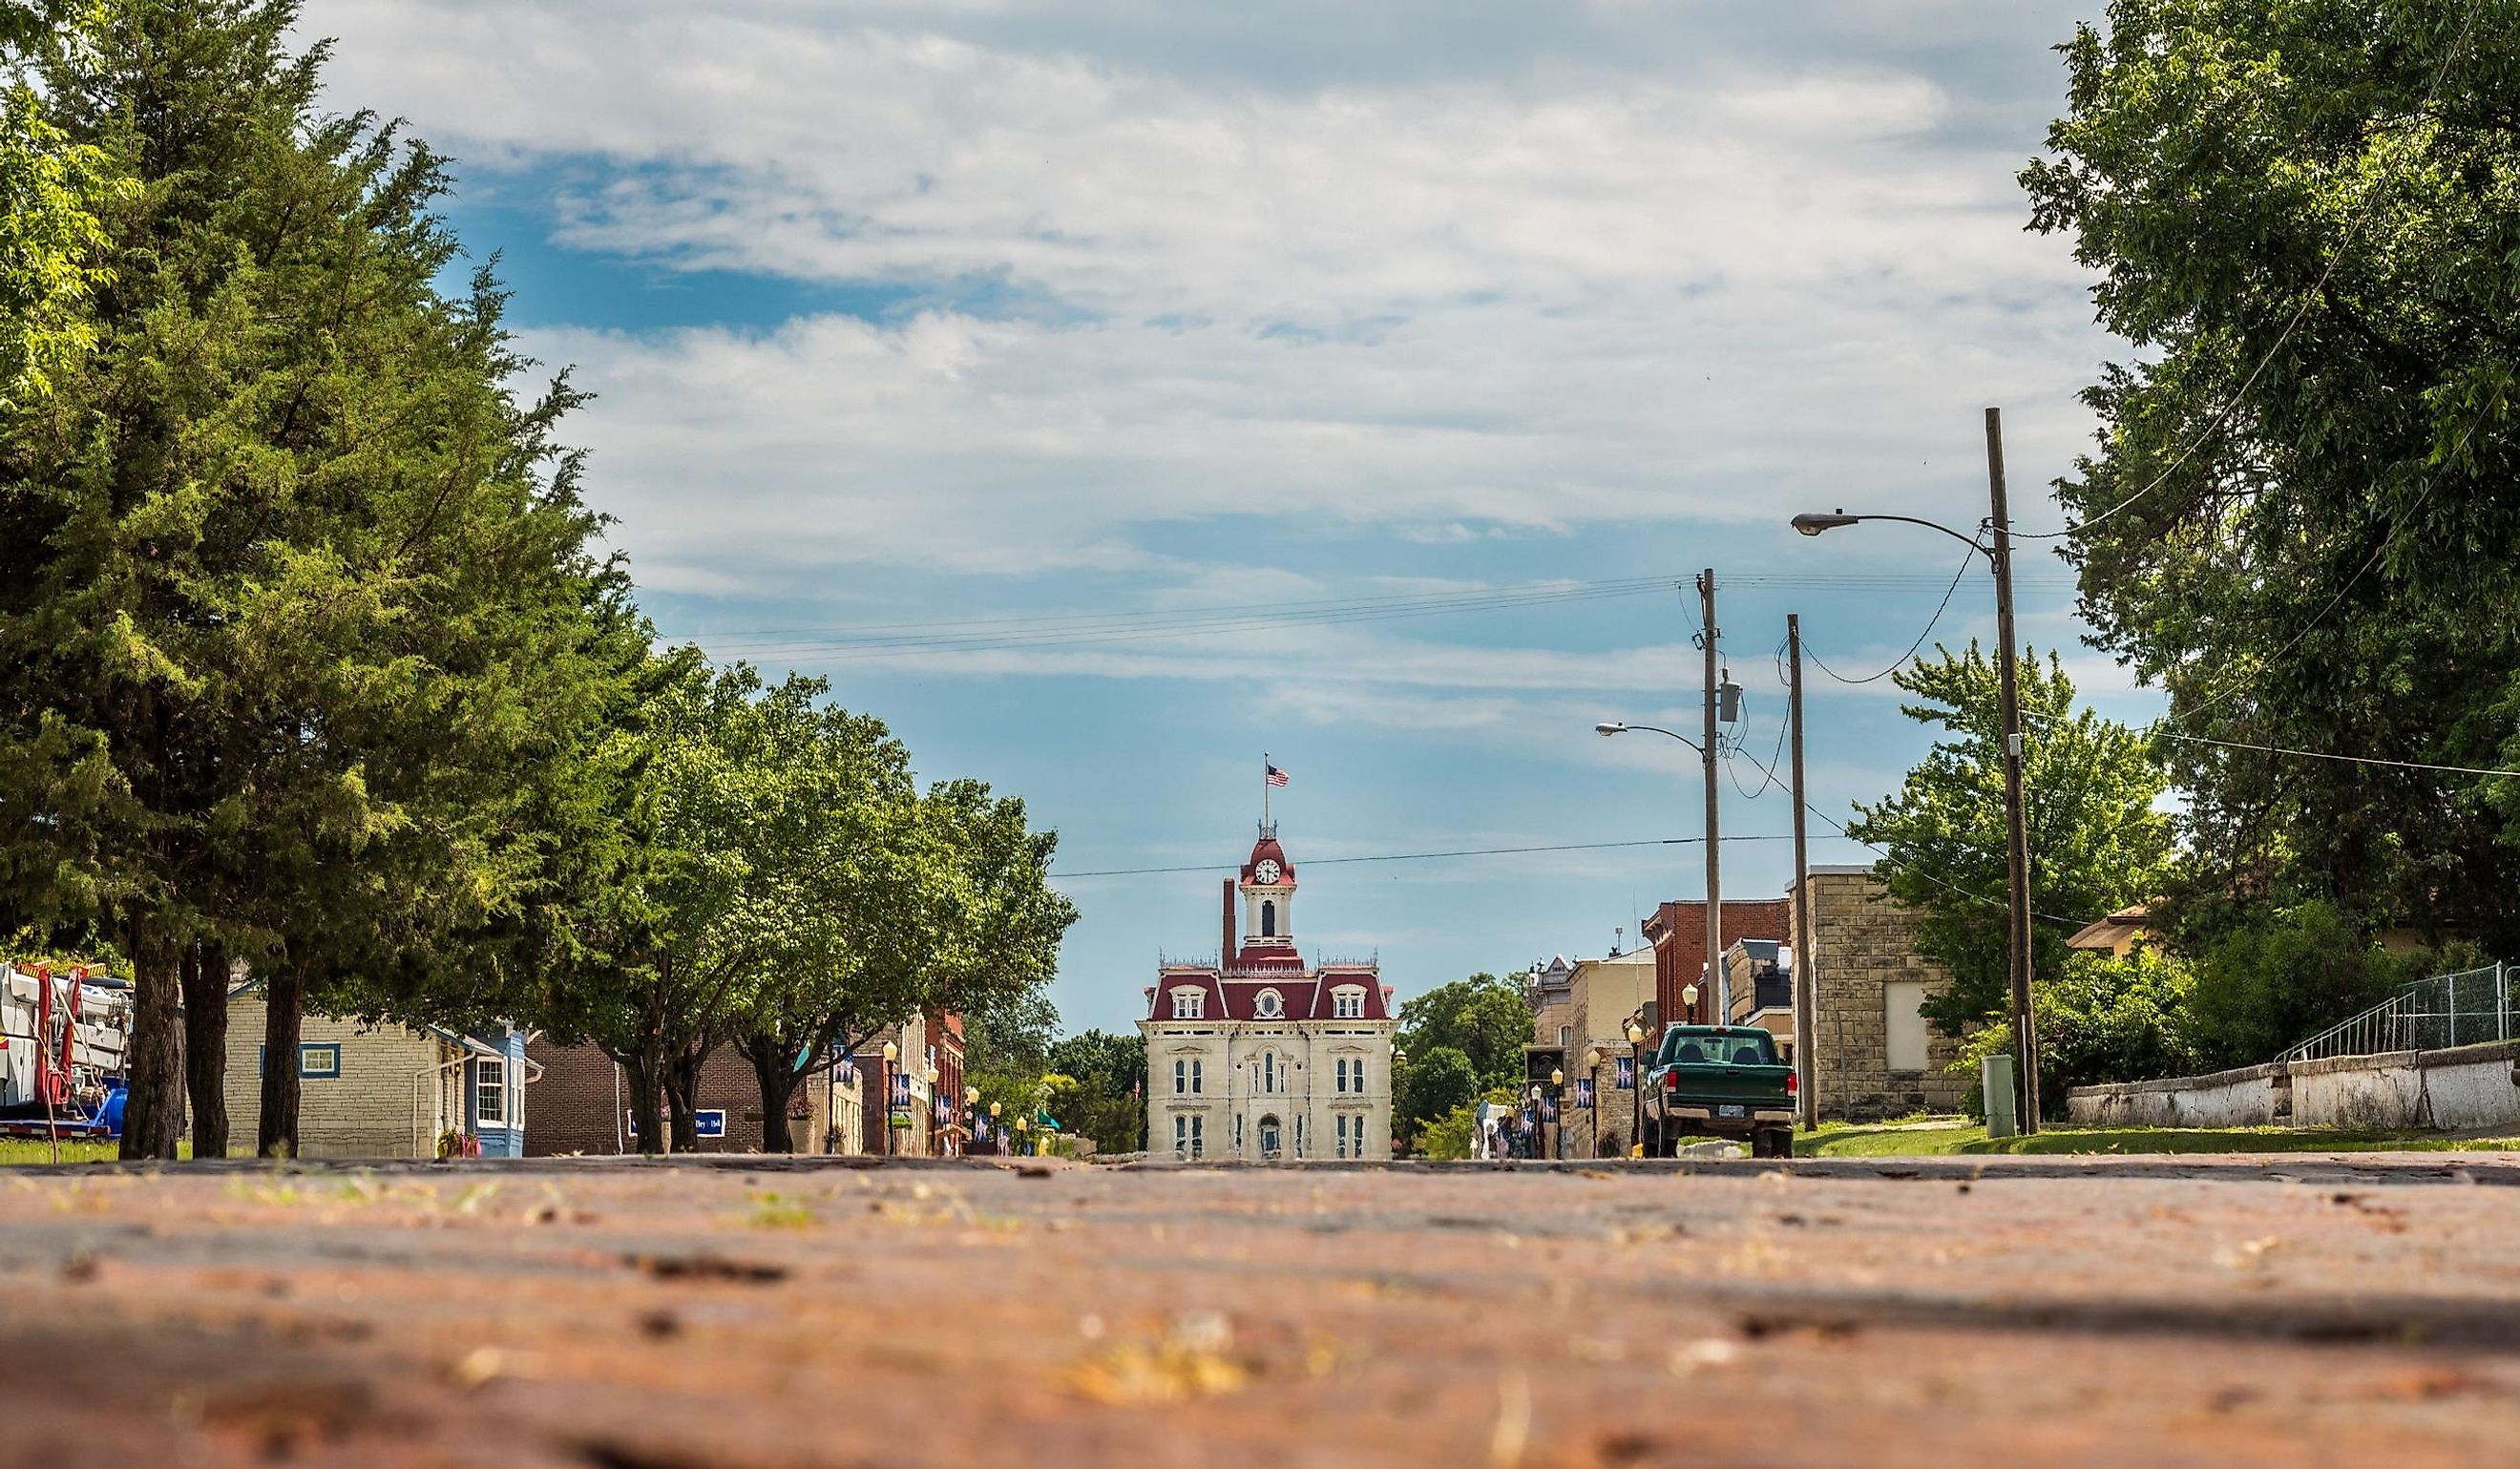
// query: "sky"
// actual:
[[1107, 393]]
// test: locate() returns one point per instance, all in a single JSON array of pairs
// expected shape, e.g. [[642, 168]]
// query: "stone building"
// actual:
[[1260, 1055], [1579, 1029], [1874, 1055], [382, 1090]]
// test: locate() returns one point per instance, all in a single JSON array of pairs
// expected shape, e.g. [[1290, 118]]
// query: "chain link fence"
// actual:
[[2466, 1009]]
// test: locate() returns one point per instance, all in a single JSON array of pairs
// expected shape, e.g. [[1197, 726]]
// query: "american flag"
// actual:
[[1276, 777]]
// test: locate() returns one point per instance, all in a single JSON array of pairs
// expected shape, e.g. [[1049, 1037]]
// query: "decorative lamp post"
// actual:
[[1592, 1074], [929, 1077], [971, 1114], [891, 1055], [998, 1134], [1024, 1128], [1557, 1100], [1637, 1085]]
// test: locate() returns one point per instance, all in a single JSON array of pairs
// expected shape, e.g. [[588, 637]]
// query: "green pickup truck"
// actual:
[[1720, 1081]]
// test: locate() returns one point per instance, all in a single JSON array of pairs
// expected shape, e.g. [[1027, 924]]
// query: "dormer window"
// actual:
[[1190, 1005], [1347, 1003], [1268, 1006]]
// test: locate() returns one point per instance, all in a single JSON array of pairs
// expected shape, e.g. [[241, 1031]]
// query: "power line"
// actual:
[[1930, 624], [2301, 312], [2407, 765], [1323, 862], [1073, 629], [1904, 867]]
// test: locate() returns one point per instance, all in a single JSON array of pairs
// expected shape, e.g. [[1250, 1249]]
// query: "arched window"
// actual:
[[1268, 921], [1267, 1070]]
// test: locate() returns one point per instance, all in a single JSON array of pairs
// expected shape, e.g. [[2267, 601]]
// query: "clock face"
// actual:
[[1267, 871]]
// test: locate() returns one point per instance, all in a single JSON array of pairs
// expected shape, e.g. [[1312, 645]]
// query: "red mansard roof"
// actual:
[[1303, 995]]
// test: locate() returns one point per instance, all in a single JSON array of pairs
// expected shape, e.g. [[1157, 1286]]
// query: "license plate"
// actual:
[[1729, 1111]]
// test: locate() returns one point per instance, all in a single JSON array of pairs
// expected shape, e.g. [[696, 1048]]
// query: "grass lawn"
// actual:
[[18, 1151], [1957, 1134]]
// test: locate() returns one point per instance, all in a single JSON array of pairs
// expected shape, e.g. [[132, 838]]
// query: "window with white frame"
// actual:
[[1343, 1121], [1197, 1083], [1347, 1005], [1181, 1078], [490, 1093], [1300, 1134], [1268, 1006], [1269, 1071], [1198, 1135], [1181, 1137], [1190, 1005]]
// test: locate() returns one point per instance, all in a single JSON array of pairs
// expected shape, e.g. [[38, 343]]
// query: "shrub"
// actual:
[[2102, 1019]]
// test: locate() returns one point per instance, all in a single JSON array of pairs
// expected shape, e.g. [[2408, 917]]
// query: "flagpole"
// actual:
[[1264, 791]]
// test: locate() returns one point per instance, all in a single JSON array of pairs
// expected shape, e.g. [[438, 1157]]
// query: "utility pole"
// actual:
[[2016, 828], [1806, 987], [1714, 982]]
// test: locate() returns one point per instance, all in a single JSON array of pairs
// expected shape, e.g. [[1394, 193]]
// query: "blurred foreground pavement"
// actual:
[[744, 1313]]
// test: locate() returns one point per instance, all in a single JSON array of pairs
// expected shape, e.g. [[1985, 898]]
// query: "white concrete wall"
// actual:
[[2470, 1086], [2245, 1098], [2466, 1089]]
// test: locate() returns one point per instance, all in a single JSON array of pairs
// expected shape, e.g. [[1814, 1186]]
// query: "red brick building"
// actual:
[[1677, 932]]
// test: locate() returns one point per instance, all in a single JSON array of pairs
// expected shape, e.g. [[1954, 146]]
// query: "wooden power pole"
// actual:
[[1713, 984], [1806, 985], [2016, 828]]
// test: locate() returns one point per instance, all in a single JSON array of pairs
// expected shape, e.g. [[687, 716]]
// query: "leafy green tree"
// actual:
[[1432, 1084], [1106, 1103], [1483, 1017], [289, 576], [2259, 992], [2298, 517], [2095, 841]]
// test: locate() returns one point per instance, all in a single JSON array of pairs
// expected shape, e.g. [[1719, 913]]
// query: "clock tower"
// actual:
[[1258, 1056], [1268, 886]]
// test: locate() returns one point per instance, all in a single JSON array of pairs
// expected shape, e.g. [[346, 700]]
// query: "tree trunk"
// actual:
[[276, 1131], [777, 1076], [647, 1099], [152, 1116], [205, 1046], [682, 1087]]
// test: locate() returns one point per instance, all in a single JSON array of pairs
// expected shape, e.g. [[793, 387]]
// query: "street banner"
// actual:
[[1626, 1074], [1584, 1094]]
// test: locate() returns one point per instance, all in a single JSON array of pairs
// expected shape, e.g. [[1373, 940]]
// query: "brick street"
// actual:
[[738, 1313]]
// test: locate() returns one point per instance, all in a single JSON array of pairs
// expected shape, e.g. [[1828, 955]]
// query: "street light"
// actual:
[[1998, 527], [1714, 853], [1000, 1137], [1022, 1126], [891, 1054], [970, 1116], [1635, 1086], [1557, 1100]]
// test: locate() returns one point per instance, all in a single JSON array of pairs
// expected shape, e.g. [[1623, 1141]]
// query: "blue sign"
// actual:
[[1626, 1072], [708, 1123], [1584, 1094]]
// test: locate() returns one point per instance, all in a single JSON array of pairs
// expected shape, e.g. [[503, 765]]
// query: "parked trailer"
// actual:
[[63, 1039]]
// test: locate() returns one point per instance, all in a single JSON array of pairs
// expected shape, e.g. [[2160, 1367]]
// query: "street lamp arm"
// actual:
[[1622, 729], [1812, 524]]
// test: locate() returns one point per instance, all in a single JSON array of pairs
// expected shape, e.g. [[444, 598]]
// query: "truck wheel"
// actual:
[[1774, 1142]]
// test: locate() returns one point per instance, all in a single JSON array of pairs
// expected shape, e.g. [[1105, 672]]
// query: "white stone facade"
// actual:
[[1261, 1057]]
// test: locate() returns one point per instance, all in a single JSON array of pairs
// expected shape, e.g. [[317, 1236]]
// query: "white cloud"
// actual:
[[1447, 307]]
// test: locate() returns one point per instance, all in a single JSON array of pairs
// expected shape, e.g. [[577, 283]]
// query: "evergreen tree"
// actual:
[[295, 590]]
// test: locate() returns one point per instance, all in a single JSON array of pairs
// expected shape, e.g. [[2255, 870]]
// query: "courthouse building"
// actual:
[[1260, 1055]]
